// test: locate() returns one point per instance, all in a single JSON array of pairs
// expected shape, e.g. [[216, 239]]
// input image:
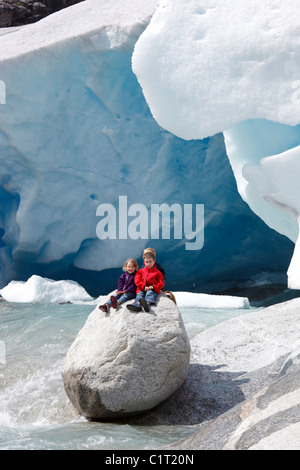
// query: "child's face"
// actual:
[[149, 262], [130, 267]]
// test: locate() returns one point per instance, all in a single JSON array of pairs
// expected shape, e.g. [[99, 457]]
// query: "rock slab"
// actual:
[[249, 387], [122, 363]]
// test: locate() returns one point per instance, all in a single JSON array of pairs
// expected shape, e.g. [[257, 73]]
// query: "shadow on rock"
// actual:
[[206, 393]]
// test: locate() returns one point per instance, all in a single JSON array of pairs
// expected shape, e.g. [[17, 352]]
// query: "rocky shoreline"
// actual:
[[242, 391], [248, 383], [23, 12]]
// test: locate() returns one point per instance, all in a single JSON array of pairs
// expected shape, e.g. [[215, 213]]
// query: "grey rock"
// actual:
[[256, 405], [123, 363], [267, 421], [18, 13], [230, 363], [6, 15]]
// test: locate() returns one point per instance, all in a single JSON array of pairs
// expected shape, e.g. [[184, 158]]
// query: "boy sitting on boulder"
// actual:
[[149, 281]]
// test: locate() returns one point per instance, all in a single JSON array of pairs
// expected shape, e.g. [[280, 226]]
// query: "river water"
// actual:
[[35, 412]]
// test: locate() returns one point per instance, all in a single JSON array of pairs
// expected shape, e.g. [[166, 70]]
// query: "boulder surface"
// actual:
[[122, 363]]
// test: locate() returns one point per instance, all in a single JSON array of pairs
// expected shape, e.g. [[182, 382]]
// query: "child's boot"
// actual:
[[144, 304], [114, 302], [104, 308], [134, 308]]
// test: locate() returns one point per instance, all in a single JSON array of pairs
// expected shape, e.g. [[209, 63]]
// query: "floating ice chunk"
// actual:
[[38, 289], [190, 299]]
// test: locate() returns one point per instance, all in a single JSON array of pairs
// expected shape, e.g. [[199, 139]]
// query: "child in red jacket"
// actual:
[[149, 282]]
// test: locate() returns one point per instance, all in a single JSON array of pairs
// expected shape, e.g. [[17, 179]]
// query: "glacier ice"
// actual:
[[76, 132], [191, 299], [43, 290], [231, 67], [268, 181]]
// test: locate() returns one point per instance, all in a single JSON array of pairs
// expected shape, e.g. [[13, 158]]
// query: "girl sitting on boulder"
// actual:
[[126, 286]]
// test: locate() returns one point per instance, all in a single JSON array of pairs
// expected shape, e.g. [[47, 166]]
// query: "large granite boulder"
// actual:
[[122, 363]]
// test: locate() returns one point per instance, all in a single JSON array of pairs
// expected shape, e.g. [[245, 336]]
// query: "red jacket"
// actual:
[[149, 277]]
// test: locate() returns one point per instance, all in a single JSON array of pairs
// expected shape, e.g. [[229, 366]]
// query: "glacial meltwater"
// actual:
[[35, 412]]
